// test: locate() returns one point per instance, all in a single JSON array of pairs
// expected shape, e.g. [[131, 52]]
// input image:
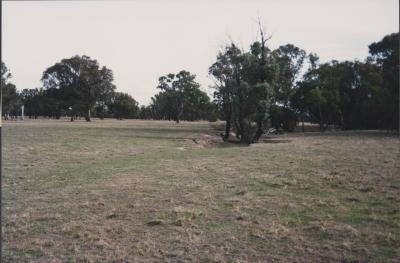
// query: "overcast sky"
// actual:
[[143, 40]]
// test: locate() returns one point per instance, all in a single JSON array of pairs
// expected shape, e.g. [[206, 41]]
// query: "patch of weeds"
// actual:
[[215, 225], [155, 222], [178, 222], [382, 253], [34, 252], [111, 216], [353, 199], [366, 189], [183, 215], [353, 217], [314, 229], [295, 219], [228, 205]]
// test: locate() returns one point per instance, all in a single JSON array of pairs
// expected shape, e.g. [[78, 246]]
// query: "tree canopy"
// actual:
[[180, 98], [9, 93], [77, 84]]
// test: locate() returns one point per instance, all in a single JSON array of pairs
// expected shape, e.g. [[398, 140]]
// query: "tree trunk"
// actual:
[[180, 113], [72, 118], [88, 115], [342, 124], [227, 129], [245, 126], [259, 131], [238, 129], [321, 122]]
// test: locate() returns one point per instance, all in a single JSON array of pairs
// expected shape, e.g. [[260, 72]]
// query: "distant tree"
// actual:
[[180, 98], [146, 112], [77, 84], [319, 94], [198, 106], [163, 106], [283, 118], [289, 61], [385, 54], [31, 99], [10, 99], [5, 74], [123, 106], [346, 94], [299, 100]]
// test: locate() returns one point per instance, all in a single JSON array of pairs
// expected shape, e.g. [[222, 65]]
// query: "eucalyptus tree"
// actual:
[[10, 99], [385, 54], [180, 97], [31, 100], [289, 60], [77, 83], [243, 88], [226, 74], [122, 105]]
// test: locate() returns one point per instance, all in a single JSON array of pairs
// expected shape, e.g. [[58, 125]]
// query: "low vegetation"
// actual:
[[158, 191]]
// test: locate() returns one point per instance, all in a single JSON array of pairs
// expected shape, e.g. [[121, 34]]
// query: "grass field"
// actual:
[[153, 191]]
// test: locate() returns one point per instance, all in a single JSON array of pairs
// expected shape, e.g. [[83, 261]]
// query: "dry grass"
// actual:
[[151, 191]]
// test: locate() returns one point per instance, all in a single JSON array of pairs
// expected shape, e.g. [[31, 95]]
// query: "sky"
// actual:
[[143, 40]]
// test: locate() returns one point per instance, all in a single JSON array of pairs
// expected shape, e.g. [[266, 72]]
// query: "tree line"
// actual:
[[254, 89], [78, 87]]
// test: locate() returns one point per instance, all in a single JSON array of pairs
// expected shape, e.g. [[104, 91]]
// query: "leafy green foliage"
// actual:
[[243, 89], [347, 94], [283, 118], [289, 61], [31, 98], [385, 54], [10, 100], [77, 84], [123, 106], [180, 99]]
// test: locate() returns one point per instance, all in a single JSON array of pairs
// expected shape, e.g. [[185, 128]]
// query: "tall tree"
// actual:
[[289, 61], [31, 100], [180, 95], [78, 83], [122, 105], [10, 99], [244, 83], [226, 73], [385, 54]]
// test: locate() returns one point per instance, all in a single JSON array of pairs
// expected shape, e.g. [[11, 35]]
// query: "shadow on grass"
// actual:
[[340, 133], [273, 140]]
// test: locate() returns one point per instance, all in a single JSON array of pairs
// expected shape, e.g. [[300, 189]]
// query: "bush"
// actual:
[[283, 118]]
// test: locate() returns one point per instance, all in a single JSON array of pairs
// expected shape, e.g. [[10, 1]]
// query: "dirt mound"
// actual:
[[206, 141]]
